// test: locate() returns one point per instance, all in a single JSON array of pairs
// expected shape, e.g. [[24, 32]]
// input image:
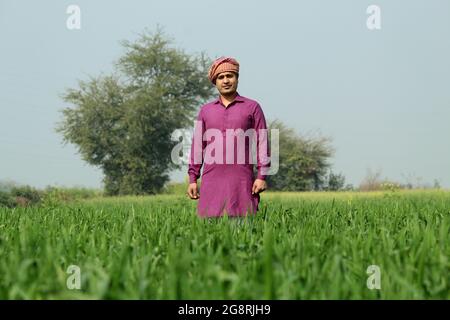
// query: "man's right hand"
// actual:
[[193, 191]]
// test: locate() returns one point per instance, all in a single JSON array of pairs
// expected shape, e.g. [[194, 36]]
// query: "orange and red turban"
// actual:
[[222, 64]]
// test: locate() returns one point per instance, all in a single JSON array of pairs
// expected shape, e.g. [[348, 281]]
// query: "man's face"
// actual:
[[226, 83]]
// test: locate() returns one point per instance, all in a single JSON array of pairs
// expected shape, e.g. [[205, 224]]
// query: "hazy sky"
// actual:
[[382, 95]]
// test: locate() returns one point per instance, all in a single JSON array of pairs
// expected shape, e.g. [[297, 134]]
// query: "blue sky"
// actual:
[[382, 95]]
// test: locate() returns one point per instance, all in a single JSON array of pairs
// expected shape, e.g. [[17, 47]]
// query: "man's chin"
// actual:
[[227, 91]]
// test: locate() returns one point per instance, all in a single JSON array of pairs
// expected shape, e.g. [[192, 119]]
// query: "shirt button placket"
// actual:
[[225, 122], [224, 132]]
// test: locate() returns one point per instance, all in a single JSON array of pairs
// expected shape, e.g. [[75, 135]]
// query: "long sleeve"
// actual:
[[262, 139], [197, 148]]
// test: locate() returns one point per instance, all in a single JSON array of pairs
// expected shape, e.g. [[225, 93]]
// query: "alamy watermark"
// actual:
[[73, 22], [373, 21], [374, 279], [235, 146], [74, 279]]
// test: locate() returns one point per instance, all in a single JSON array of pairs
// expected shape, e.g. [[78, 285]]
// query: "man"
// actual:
[[228, 188]]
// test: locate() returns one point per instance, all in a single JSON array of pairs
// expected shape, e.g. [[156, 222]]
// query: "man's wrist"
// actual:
[[192, 179], [261, 177]]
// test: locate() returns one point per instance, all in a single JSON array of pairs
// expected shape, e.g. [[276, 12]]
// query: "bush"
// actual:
[[26, 195], [336, 182], [372, 181], [74, 193], [391, 186], [6, 200]]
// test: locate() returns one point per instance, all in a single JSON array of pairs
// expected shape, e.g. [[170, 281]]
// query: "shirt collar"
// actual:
[[238, 98]]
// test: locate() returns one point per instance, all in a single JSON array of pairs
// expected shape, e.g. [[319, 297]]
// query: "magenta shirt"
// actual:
[[226, 187]]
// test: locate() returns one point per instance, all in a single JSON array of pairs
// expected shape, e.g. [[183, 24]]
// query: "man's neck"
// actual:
[[227, 99]]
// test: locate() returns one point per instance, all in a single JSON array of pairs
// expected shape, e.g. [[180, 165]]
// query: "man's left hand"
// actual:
[[259, 186]]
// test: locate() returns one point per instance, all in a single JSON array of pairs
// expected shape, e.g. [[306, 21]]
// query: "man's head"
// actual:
[[224, 74]]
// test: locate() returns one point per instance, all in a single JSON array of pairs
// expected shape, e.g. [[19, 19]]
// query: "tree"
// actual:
[[372, 181], [122, 122], [336, 181], [303, 161]]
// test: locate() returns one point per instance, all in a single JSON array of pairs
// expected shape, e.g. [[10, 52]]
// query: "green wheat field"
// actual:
[[299, 246]]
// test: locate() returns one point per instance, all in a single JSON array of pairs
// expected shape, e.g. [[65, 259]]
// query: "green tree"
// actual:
[[122, 122], [336, 181], [303, 161]]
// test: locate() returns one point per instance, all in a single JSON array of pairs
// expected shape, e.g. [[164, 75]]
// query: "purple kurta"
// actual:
[[227, 180]]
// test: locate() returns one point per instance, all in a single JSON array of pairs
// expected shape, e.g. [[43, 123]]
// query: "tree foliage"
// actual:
[[122, 122], [336, 182], [303, 160]]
